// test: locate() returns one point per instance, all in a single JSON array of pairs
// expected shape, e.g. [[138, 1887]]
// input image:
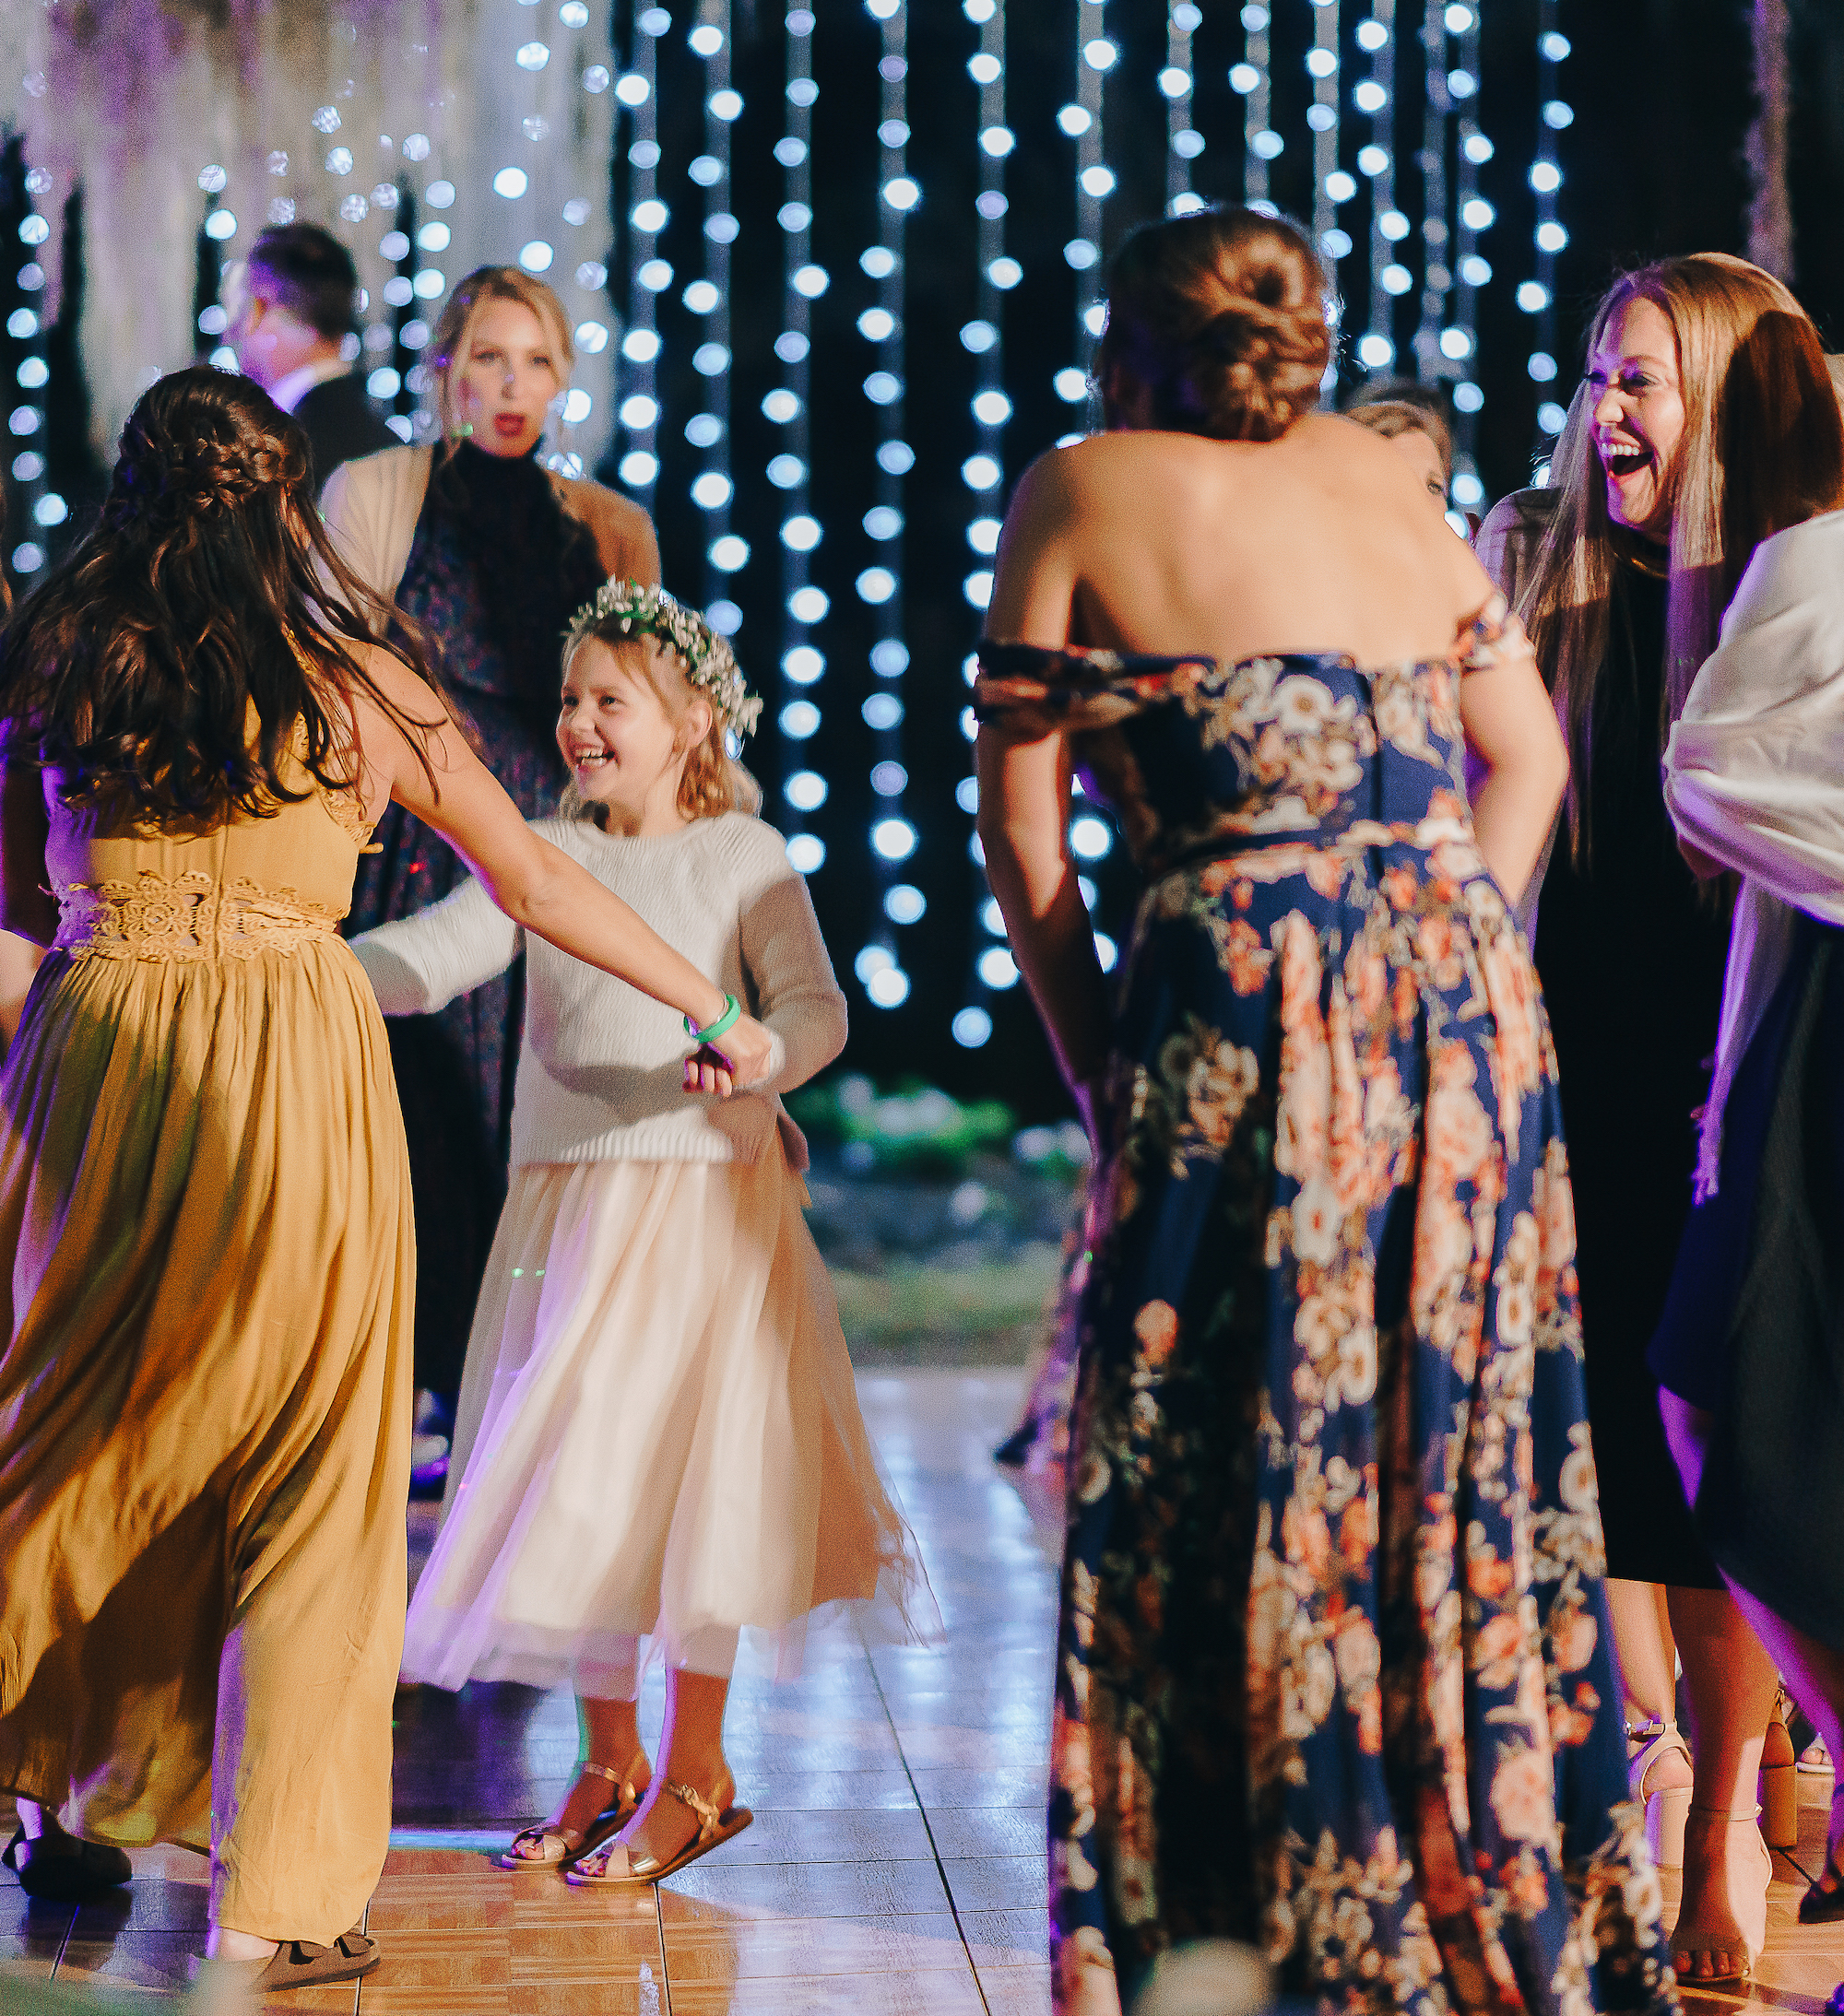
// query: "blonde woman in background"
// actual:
[[1663, 482], [1418, 432], [489, 553]]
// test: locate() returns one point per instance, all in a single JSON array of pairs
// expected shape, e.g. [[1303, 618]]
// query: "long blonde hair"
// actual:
[[455, 328], [1762, 448]]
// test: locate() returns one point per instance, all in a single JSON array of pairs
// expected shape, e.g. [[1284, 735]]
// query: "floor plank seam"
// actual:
[[927, 1828]]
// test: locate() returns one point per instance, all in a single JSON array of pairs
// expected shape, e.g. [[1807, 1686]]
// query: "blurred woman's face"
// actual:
[[1418, 450], [1633, 380], [503, 387]]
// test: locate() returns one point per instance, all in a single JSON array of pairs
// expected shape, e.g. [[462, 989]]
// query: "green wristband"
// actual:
[[733, 1010]]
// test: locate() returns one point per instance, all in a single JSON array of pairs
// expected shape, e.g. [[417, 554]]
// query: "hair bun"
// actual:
[[1220, 316]]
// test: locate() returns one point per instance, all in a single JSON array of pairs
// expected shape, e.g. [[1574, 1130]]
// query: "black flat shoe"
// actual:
[[1824, 1902], [92, 1871]]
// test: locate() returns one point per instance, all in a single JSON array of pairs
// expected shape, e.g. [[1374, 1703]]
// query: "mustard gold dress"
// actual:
[[205, 1364]]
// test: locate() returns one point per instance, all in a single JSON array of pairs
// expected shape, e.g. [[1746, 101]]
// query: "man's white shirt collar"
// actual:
[[288, 393]]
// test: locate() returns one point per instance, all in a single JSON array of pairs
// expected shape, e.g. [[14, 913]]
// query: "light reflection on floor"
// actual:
[[897, 1861]]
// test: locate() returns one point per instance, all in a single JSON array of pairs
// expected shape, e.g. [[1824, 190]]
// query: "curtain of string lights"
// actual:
[[855, 285], [1361, 116]]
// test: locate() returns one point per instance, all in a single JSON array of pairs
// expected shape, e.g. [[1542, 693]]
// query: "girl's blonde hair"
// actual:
[[1762, 448], [455, 328], [712, 781]]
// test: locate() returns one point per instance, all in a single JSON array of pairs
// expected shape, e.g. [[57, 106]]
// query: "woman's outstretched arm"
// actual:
[[535, 884]]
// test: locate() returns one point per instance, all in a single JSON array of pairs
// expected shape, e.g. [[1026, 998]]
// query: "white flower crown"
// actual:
[[709, 663]]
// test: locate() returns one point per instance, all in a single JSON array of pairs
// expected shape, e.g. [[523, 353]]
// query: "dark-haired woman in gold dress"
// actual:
[[205, 1229]]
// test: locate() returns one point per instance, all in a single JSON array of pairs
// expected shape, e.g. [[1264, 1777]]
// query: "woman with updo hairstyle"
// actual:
[[491, 551], [1334, 1676], [205, 1222]]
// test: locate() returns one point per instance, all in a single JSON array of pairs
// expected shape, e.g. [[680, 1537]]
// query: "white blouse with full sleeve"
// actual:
[[1754, 775]]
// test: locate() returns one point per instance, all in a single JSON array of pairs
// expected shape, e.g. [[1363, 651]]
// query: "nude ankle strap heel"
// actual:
[[1779, 1782], [1667, 1806]]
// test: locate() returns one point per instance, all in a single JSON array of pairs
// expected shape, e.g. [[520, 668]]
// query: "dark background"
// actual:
[[1662, 93]]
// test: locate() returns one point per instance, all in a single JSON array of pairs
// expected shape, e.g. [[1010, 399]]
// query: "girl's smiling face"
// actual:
[[625, 750], [1634, 380]]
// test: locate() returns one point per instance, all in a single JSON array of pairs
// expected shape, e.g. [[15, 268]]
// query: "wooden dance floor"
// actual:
[[896, 1862]]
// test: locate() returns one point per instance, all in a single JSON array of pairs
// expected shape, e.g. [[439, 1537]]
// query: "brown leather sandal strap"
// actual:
[[710, 1816]]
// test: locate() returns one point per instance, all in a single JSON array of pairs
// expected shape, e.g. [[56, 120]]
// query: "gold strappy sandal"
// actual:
[[619, 1864], [559, 1847]]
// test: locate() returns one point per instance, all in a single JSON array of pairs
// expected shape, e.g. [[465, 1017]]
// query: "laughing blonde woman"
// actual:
[[1668, 473]]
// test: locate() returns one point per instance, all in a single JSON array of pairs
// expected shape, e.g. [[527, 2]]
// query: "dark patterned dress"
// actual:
[[1335, 1674], [496, 572]]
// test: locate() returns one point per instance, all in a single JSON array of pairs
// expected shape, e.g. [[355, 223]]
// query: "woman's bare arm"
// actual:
[[1511, 728], [538, 886], [1025, 794]]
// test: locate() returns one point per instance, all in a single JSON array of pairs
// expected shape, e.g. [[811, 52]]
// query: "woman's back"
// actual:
[[1319, 541], [197, 892]]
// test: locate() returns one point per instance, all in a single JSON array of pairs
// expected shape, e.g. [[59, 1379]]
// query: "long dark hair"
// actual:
[[207, 585]]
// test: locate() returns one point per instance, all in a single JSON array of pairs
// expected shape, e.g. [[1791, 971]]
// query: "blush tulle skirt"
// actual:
[[657, 1440]]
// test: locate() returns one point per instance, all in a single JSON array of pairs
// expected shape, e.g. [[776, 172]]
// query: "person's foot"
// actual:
[[1722, 1921], [240, 1948], [54, 1864], [664, 1826], [593, 1794]]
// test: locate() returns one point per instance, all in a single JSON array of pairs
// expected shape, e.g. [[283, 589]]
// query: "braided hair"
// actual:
[[1220, 317], [207, 585]]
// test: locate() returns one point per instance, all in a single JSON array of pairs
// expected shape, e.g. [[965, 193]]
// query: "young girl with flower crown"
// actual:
[[657, 1436]]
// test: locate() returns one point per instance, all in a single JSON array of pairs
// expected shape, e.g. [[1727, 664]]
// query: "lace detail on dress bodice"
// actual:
[[347, 813], [186, 917]]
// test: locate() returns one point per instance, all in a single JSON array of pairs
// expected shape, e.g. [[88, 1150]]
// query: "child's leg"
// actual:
[[613, 1765], [690, 1748]]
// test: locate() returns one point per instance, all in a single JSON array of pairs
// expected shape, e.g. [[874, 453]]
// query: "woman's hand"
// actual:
[[738, 1058]]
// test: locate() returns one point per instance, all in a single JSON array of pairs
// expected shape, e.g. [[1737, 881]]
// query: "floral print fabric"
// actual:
[[1335, 1674]]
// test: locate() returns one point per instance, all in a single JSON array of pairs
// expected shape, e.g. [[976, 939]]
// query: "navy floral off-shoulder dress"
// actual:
[[1335, 1674]]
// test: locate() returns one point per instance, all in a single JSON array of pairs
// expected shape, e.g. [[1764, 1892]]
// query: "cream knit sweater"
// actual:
[[599, 1071]]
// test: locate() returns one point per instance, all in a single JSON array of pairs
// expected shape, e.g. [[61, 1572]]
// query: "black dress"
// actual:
[[497, 570], [1631, 948], [1754, 1328]]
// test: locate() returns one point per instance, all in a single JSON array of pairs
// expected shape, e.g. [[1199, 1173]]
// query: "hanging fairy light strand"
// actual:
[[708, 296], [1431, 359], [893, 838], [991, 964], [1184, 143], [44, 510], [803, 789], [1473, 215], [1260, 143], [1081, 120], [1375, 96], [650, 275], [1537, 297], [1329, 181]]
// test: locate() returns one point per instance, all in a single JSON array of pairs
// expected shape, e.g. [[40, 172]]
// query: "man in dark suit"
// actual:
[[290, 310]]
